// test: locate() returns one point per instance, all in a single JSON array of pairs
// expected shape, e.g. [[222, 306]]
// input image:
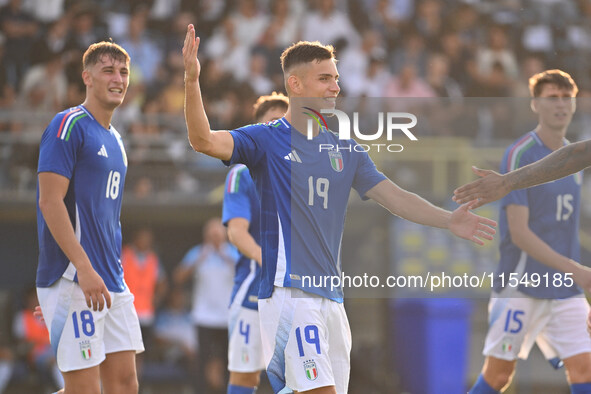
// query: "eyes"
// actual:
[[110, 70]]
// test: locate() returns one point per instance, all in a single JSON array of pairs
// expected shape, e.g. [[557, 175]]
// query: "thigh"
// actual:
[[514, 323], [76, 332], [118, 373], [340, 342], [244, 350], [83, 381], [566, 335], [301, 348], [122, 327]]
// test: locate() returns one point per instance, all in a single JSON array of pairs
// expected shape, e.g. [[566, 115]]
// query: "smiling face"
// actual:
[[555, 106], [107, 81], [318, 79]]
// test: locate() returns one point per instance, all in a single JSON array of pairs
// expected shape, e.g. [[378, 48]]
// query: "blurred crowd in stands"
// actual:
[[386, 48]]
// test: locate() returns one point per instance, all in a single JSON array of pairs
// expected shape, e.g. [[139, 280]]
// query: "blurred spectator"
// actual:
[[34, 340], [44, 86], [376, 78], [19, 27], [7, 91], [354, 62], [249, 23], [529, 66], [226, 50], [438, 77], [257, 78], [174, 333], [146, 280], [6, 366], [211, 265], [282, 30], [142, 49], [173, 95], [328, 25], [459, 57], [143, 188], [408, 84], [412, 51], [162, 13], [428, 22], [53, 41], [384, 20], [84, 28], [45, 11]]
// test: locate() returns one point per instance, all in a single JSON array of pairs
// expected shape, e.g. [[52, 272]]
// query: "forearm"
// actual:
[[57, 219], [411, 206], [198, 129], [539, 250], [246, 245], [563, 162]]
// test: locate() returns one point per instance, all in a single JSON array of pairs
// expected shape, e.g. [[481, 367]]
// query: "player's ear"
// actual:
[[86, 77], [533, 105], [294, 83]]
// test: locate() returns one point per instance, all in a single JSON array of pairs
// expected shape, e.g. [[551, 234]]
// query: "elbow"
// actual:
[[517, 239], [45, 205], [200, 145]]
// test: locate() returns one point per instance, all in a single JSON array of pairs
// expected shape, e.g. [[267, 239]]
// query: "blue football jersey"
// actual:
[[554, 209], [304, 194], [76, 146], [241, 201]]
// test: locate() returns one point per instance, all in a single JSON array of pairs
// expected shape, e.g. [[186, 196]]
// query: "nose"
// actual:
[[334, 86]]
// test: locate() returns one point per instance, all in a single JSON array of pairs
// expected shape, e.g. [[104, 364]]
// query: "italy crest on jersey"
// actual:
[[336, 160], [311, 371]]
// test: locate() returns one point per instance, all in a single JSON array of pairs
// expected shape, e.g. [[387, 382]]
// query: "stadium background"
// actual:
[[444, 51]]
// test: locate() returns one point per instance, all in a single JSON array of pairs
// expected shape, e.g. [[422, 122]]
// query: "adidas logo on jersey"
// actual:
[[293, 156], [103, 152]]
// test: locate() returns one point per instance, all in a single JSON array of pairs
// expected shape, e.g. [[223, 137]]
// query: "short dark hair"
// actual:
[[555, 77], [265, 103], [97, 50], [305, 52]]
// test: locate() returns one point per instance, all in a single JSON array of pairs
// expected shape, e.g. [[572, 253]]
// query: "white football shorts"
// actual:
[[557, 326], [245, 353], [306, 341], [81, 337]]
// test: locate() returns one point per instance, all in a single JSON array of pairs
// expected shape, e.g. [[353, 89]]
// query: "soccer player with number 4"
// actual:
[[87, 307], [305, 333], [535, 298]]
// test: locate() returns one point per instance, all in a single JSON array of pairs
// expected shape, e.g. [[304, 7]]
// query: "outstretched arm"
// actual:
[[410, 206], [493, 186], [219, 144]]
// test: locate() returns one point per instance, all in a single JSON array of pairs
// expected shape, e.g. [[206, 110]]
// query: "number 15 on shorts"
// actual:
[[310, 335]]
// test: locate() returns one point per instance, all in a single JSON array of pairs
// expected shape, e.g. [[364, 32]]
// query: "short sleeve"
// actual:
[[249, 145], [236, 195], [367, 175], [58, 149], [191, 256]]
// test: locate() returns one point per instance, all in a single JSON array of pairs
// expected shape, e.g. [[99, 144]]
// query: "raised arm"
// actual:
[[493, 186], [219, 144], [410, 206]]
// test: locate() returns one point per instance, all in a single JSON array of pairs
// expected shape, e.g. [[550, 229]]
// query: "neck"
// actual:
[[300, 123], [100, 114], [552, 138]]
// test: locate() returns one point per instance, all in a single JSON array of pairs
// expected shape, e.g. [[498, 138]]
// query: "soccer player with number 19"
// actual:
[[82, 167], [305, 333]]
